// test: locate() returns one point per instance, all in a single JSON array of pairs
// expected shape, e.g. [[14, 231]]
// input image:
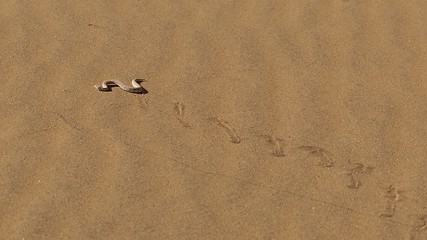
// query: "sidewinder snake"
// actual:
[[137, 88]]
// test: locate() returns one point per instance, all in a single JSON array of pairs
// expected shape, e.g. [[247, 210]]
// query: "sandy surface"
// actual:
[[263, 120]]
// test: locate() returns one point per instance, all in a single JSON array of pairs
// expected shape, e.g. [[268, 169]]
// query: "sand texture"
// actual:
[[260, 119]]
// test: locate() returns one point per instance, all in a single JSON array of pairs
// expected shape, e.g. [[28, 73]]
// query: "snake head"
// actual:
[[140, 80]]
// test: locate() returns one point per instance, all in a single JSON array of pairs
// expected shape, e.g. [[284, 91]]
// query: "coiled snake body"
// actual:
[[106, 86]]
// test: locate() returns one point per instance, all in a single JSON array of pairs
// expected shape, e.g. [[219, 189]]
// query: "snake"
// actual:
[[106, 86]]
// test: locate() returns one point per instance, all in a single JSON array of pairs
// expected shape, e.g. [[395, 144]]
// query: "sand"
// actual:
[[262, 120]]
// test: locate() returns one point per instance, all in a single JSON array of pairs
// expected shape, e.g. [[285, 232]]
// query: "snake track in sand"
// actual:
[[106, 86]]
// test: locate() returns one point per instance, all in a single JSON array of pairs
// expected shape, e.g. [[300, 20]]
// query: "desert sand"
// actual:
[[261, 120]]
